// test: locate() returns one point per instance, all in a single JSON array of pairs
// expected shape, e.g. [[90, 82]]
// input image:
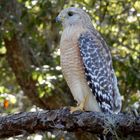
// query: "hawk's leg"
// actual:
[[80, 106]]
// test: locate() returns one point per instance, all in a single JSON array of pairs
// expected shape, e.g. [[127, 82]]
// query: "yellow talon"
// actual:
[[80, 106]]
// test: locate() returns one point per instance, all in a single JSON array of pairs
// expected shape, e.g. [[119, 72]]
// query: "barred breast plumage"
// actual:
[[73, 69]]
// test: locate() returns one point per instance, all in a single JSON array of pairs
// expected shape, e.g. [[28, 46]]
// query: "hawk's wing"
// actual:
[[99, 71]]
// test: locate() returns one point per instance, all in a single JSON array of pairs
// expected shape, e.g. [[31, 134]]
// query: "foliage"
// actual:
[[33, 22]]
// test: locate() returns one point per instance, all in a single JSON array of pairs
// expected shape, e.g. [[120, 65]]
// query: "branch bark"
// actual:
[[49, 120]]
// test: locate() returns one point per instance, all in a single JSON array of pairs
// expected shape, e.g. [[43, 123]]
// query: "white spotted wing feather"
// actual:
[[99, 71]]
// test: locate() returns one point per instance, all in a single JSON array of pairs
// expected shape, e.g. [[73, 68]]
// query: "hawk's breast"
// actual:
[[73, 69]]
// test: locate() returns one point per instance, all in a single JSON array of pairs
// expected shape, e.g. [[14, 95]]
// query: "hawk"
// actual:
[[87, 64]]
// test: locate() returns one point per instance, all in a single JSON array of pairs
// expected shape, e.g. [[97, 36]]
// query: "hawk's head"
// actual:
[[73, 16]]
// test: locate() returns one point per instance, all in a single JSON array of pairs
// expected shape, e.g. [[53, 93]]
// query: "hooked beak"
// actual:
[[58, 19]]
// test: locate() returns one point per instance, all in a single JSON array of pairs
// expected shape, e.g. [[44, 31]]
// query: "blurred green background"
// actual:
[[30, 72]]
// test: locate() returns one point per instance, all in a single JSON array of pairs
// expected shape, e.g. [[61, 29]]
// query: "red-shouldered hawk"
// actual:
[[86, 63]]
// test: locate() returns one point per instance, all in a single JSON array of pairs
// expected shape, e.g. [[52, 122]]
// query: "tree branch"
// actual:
[[62, 119]]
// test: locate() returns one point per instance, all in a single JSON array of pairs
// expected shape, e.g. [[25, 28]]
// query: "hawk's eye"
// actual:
[[70, 13]]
